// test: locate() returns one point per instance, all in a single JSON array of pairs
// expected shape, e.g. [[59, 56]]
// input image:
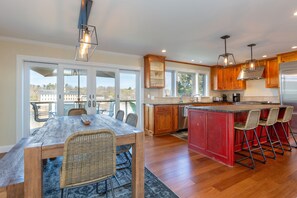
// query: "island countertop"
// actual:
[[234, 108]]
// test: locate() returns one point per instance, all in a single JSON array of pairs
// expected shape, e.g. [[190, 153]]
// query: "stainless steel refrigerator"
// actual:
[[288, 88]]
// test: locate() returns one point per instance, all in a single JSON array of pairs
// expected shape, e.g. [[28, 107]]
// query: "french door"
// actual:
[[54, 89]]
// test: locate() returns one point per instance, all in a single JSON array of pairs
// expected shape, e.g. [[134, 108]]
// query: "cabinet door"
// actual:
[[149, 119], [217, 133], [220, 79], [272, 72], [175, 117], [197, 130], [238, 84], [163, 119]]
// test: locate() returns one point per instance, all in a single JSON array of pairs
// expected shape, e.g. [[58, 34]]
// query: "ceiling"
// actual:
[[187, 29]]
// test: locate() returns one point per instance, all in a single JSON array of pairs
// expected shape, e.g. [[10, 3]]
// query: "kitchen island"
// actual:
[[211, 129]]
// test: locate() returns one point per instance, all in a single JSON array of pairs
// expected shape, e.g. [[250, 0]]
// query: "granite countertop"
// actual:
[[183, 103], [234, 108]]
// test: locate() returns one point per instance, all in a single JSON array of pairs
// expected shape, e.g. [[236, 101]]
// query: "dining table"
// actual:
[[49, 140]]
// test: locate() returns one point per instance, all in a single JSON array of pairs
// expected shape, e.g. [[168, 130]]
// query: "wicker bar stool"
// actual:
[[286, 120], [271, 120], [251, 123]]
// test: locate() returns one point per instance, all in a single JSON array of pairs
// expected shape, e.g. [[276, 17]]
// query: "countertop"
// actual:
[[234, 108], [184, 103]]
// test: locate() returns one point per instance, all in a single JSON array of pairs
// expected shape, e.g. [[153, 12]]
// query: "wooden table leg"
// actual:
[[138, 166], [33, 171]]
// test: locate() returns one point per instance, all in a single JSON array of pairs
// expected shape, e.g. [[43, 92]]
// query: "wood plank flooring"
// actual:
[[193, 175]]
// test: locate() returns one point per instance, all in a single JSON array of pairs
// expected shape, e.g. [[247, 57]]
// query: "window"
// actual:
[[185, 84], [168, 90], [201, 84]]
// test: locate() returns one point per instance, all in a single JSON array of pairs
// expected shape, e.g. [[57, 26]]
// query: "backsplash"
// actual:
[[156, 96]]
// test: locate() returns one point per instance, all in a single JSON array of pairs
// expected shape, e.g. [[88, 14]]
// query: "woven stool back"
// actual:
[[132, 119], [272, 116], [89, 156], [76, 111], [288, 114], [120, 115], [252, 120]]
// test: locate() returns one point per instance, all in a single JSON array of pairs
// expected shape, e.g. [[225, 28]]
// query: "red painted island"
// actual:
[[211, 129]]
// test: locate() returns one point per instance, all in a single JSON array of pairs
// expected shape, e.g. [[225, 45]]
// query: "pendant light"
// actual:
[[87, 43], [87, 38], [251, 64], [227, 57]]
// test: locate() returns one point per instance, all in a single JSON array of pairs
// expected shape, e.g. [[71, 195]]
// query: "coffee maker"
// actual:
[[236, 97]]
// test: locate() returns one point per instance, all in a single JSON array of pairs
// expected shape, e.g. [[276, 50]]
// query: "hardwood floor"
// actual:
[[192, 175]]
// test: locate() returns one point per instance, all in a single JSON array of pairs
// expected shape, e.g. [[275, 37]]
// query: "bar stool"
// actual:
[[271, 120], [251, 123], [286, 119]]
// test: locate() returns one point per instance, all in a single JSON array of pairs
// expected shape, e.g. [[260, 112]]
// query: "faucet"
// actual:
[[196, 99], [181, 99]]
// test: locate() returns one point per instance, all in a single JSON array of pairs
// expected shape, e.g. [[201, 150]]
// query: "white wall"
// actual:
[[10, 48], [257, 88]]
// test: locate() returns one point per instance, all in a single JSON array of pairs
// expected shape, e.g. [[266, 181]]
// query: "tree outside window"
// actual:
[[185, 84], [201, 84]]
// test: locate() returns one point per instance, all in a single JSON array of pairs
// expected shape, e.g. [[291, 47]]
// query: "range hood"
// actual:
[[246, 74]]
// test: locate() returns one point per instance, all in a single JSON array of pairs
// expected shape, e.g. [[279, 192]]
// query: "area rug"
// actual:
[[181, 135], [51, 184]]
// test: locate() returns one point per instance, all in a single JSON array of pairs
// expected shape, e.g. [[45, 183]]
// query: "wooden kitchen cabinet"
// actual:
[[226, 78], [154, 71], [160, 119], [272, 73]]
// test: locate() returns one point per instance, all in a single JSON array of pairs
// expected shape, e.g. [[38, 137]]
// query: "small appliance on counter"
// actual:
[[224, 96], [236, 97]]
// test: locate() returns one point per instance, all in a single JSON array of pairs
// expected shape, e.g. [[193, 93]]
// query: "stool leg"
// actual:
[[259, 144], [270, 142], [278, 139], [251, 154], [292, 133], [287, 139]]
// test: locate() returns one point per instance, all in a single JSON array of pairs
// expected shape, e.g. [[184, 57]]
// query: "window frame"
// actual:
[[175, 71]]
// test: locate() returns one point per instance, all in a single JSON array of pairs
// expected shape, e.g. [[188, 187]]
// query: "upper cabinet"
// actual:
[[154, 71], [226, 78], [271, 73]]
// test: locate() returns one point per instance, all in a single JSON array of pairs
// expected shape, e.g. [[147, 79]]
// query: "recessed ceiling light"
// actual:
[[231, 63], [193, 60], [294, 47], [295, 13], [163, 50], [200, 61], [264, 56]]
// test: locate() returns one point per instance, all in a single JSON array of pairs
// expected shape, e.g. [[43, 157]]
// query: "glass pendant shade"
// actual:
[[228, 58], [87, 43], [251, 64]]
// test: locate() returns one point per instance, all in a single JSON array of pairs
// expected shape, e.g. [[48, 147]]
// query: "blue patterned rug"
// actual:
[[51, 184]]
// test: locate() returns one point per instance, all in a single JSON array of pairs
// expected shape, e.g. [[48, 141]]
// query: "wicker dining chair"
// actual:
[[77, 111], [120, 115], [89, 157], [131, 119]]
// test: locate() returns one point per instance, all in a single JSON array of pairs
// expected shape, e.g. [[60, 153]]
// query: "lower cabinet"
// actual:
[[210, 133], [160, 119]]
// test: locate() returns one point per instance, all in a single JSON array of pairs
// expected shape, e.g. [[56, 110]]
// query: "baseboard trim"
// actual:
[[5, 149]]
